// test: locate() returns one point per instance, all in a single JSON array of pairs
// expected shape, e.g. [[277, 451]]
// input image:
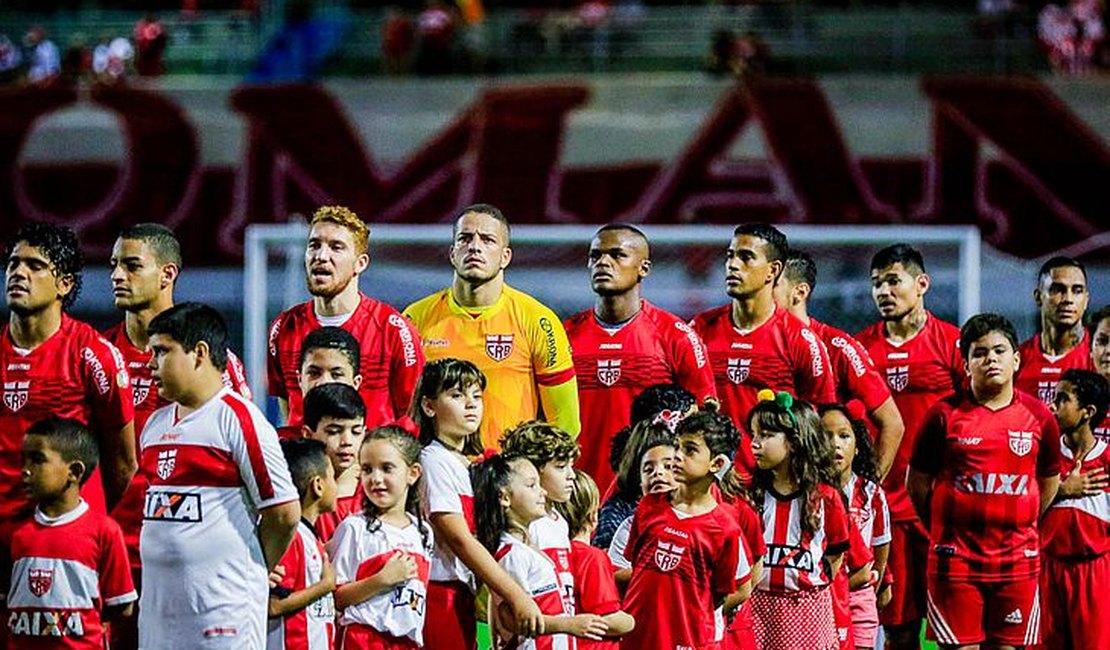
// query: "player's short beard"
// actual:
[[329, 291]]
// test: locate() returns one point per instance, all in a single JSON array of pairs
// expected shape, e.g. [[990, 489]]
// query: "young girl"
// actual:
[[804, 521], [508, 498], [686, 547], [857, 477], [382, 554], [447, 407], [595, 591]]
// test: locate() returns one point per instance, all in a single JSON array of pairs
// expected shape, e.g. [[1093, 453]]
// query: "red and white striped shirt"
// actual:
[[551, 534], [794, 560], [311, 628], [868, 510], [447, 490], [1079, 528], [535, 573]]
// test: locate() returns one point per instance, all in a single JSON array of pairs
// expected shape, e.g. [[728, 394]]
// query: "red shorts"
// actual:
[[364, 637], [1070, 594], [909, 553], [449, 621], [965, 613]]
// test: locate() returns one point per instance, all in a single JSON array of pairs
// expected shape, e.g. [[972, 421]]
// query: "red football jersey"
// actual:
[[73, 374], [613, 367], [129, 511], [794, 555], [1102, 431], [681, 566], [392, 359], [986, 500], [1039, 372], [65, 570], [1078, 529], [327, 522], [855, 372], [595, 590], [920, 371], [780, 354]]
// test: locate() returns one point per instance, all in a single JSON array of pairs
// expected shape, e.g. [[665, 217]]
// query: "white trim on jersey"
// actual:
[[1096, 505], [619, 543]]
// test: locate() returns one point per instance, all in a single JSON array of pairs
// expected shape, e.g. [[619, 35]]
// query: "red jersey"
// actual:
[[986, 500], [65, 571], [920, 371], [1102, 432], [615, 365], [392, 359], [868, 510], [794, 560], [1039, 372], [129, 511], [74, 374], [855, 372], [535, 573], [681, 567], [327, 522], [780, 354], [1078, 529], [311, 627], [595, 590]]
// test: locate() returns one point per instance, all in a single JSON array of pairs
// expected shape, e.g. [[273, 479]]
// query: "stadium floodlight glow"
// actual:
[[410, 261]]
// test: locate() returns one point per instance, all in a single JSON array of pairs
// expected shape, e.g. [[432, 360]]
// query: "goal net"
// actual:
[[549, 262]]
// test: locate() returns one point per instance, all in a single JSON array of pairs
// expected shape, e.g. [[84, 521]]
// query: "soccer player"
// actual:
[[920, 356], [336, 255], [517, 342], [1100, 359], [985, 466], [52, 364], [625, 344], [1062, 343], [855, 372], [754, 344], [221, 508]]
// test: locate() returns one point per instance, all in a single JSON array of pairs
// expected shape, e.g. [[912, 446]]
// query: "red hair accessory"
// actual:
[[668, 418], [856, 410], [487, 454]]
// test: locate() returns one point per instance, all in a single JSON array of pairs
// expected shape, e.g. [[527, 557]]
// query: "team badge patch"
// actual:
[[898, 377], [167, 460], [738, 370], [1021, 442], [499, 346], [668, 555], [608, 371], [141, 389], [16, 394], [39, 581]]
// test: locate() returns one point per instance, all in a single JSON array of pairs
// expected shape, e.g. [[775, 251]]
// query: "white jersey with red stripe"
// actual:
[[1078, 529], [535, 572], [205, 580], [868, 510], [794, 560], [551, 534], [313, 627], [360, 550], [447, 490]]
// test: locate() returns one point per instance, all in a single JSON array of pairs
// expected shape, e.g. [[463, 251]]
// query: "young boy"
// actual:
[[302, 611], [70, 573], [328, 355], [334, 414], [985, 466], [553, 452], [1074, 536]]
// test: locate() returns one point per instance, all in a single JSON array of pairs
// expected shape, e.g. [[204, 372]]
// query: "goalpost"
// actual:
[[410, 261]]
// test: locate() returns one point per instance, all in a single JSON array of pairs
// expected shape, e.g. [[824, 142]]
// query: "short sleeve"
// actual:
[[275, 379], [858, 554], [812, 368], [594, 586], [344, 551], [724, 568], [293, 563], [864, 382], [116, 585], [235, 376], [744, 562], [837, 535], [107, 385], [928, 452], [880, 522], [619, 549], [440, 492], [751, 526], [1048, 456], [551, 359], [406, 362], [691, 358], [254, 446]]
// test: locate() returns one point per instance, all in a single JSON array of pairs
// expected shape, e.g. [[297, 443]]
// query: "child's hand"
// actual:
[[1080, 485], [277, 574], [327, 575], [588, 626], [529, 618], [885, 595], [398, 569]]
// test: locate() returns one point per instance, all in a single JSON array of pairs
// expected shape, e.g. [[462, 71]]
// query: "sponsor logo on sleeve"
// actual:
[[850, 351], [814, 352], [98, 373], [408, 345], [695, 342], [550, 348]]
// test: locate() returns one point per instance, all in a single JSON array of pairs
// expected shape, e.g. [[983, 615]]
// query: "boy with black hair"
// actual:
[[335, 414], [328, 355], [1074, 537], [302, 609], [70, 573]]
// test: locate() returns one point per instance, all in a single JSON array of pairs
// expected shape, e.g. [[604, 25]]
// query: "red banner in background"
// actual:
[[1049, 173]]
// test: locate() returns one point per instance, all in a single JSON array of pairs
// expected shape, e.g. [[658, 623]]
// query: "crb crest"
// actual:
[[1021, 442], [16, 394], [898, 377], [167, 460], [668, 555], [738, 370], [608, 371], [499, 346], [39, 581], [140, 389]]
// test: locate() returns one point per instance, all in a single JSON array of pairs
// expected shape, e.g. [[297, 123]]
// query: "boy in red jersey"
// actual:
[[1076, 568], [626, 344], [752, 343], [70, 571], [1062, 342], [334, 414], [1099, 332], [985, 467], [335, 256], [919, 355]]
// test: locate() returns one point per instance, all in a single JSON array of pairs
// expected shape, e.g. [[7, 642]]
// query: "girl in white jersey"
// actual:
[[508, 498], [382, 555], [447, 408]]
